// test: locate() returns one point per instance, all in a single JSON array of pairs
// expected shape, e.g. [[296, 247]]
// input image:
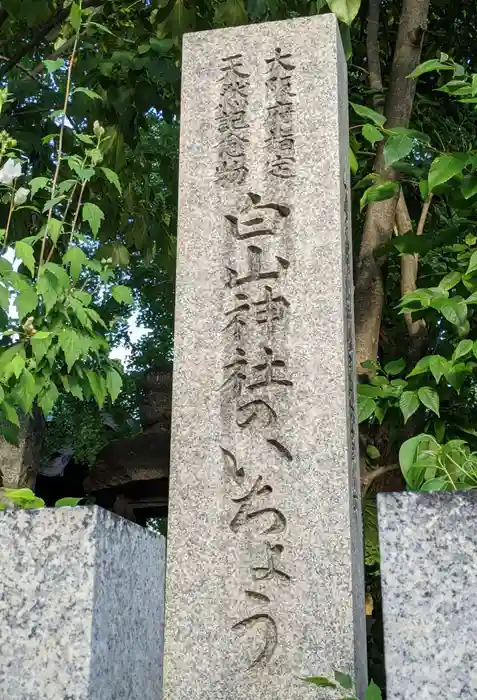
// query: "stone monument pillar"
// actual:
[[264, 577]]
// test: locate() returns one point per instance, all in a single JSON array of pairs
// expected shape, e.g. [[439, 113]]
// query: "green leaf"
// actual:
[[89, 93], [230, 13], [24, 498], [55, 228], [368, 390], [429, 398], [51, 66], [76, 259], [424, 189], [66, 186], [450, 281], [26, 390], [75, 16], [379, 192], [344, 680], [38, 183], [113, 178], [16, 366], [367, 113], [366, 407], [469, 186], [345, 10], [454, 310], [320, 681], [122, 294], [114, 383], [51, 203], [93, 215], [68, 502], [47, 398], [101, 27], [26, 255], [472, 263], [396, 148], [4, 298], [437, 484], [98, 387], [411, 133], [421, 367], [26, 302], [455, 375], [446, 167], [395, 367], [10, 413], [40, 345], [464, 347], [72, 345], [47, 287], [427, 67], [437, 365], [373, 692], [371, 134], [59, 273], [408, 403], [373, 453], [353, 163]]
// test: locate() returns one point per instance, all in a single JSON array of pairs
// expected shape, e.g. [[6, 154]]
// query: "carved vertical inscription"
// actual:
[[255, 371], [280, 141], [232, 122]]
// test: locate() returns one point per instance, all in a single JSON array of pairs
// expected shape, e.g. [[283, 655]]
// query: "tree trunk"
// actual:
[[380, 216]]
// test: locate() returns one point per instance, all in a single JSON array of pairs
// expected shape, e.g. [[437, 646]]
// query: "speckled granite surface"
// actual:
[[81, 606], [264, 571], [429, 585]]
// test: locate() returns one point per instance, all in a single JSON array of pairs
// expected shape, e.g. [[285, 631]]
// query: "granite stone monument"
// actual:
[[81, 606], [264, 573], [429, 574]]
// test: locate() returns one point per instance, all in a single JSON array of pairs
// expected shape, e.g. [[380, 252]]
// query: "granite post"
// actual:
[[264, 577], [81, 606], [429, 574]]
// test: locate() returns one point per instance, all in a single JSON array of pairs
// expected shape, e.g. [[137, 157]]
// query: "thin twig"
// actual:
[[10, 213], [424, 213], [368, 478], [372, 51], [60, 145]]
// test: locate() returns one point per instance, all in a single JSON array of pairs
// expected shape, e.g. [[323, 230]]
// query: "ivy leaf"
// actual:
[[26, 302], [367, 113], [26, 390], [396, 148], [113, 178], [26, 255], [464, 347], [371, 134], [76, 259], [51, 66], [437, 365], [345, 10], [395, 367], [89, 93], [114, 383], [93, 215], [38, 183], [122, 294], [366, 408], [408, 403], [75, 16], [429, 398], [445, 167]]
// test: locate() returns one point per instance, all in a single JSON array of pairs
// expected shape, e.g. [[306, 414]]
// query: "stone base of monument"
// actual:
[[429, 576], [81, 606]]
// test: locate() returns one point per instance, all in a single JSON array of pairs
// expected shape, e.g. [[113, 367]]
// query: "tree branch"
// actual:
[[52, 57], [59, 17], [380, 216], [368, 478], [372, 50]]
